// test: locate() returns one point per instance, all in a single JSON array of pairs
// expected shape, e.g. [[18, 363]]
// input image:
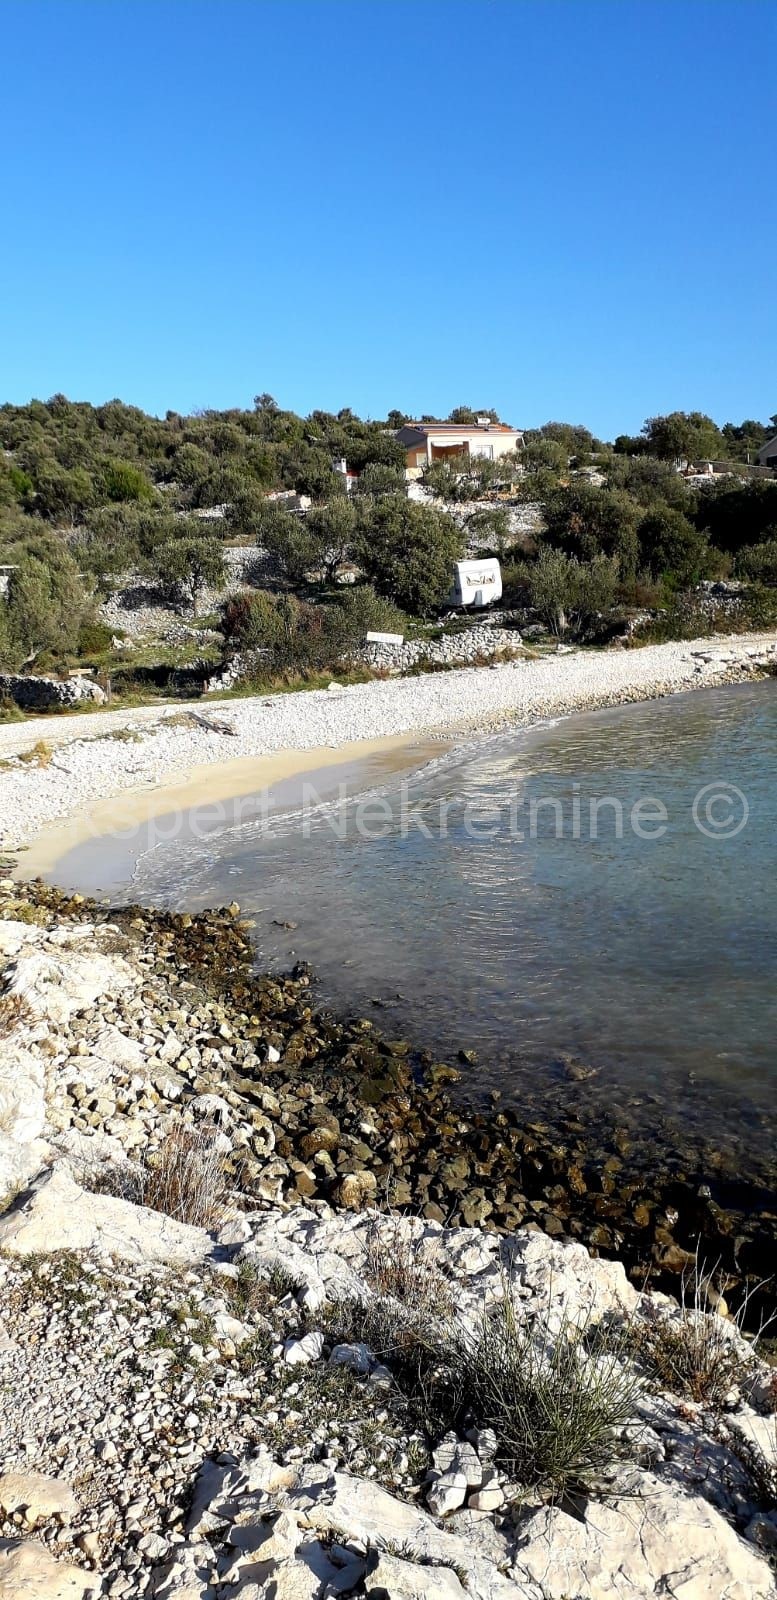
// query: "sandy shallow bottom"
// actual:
[[95, 849]]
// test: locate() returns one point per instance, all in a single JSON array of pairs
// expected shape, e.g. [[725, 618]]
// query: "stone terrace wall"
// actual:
[[38, 694]]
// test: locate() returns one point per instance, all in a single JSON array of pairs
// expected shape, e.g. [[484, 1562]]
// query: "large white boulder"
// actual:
[[395, 1579], [37, 1495], [650, 1540], [22, 1092], [57, 1214], [19, 1164], [57, 977]]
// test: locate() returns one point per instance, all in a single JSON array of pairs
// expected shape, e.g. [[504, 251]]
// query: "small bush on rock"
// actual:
[[556, 1406], [14, 1010], [557, 1398], [694, 1352]]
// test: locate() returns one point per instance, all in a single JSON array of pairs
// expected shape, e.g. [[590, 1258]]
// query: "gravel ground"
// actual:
[[93, 757]]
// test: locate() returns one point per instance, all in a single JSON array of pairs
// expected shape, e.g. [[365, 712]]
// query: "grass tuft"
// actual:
[[693, 1352], [556, 1404], [39, 755], [14, 1010], [185, 1178], [395, 1267]]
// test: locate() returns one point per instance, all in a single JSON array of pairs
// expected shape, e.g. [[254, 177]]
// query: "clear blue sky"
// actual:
[[563, 208]]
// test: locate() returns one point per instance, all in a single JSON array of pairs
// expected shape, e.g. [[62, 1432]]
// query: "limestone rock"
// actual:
[[759, 1433], [37, 1495], [490, 1495], [58, 982], [116, 1048], [394, 1579], [447, 1494], [14, 935], [357, 1190], [562, 1275], [170, 1049], [357, 1357], [22, 1097], [650, 1531], [360, 1511], [29, 1572], [457, 1455], [300, 1352], [19, 1163], [185, 1576], [59, 1215]]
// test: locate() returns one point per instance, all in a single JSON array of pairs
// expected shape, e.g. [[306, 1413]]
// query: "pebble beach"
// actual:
[[88, 757]]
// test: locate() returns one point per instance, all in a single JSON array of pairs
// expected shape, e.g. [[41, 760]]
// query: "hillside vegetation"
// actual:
[[92, 494]]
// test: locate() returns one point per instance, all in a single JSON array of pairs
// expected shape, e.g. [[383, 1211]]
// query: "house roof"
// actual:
[[769, 449], [416, 432]]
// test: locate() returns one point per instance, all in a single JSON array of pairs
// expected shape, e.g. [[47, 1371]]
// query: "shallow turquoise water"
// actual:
[[652, 959]]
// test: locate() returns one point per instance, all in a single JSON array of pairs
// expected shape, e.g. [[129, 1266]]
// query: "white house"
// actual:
[[767, 455], [426, 442]]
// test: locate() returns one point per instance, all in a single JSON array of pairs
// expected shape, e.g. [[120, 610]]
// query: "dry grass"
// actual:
[[14, 1010], [39, 755], [397, 1268], [9, 711], [406, 1317], [185, 1178], [692, 1353]]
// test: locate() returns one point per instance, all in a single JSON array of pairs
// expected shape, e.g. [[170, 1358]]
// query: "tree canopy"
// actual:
[[408, 551]]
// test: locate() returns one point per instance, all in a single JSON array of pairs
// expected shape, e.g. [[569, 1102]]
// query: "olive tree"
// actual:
[[569, 593], [671, 547], [408, 551], [586, 521], [191, 564], [46, 600]]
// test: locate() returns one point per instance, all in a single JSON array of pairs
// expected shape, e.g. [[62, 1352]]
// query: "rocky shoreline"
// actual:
[[342, 1114], [206, 1413]]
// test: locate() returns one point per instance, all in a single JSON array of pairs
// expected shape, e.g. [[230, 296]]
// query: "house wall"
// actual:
[[479, 443]]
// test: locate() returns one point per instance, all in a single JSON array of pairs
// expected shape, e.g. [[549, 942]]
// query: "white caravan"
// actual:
[[476, 583]]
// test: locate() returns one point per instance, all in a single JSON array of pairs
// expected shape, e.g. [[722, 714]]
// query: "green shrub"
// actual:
[[408, 551], [758, 561], [672, 548], [358, 610], [557, 1396], [294, 635], [123, 481], [94, 638], [556, 1406], [189, 564], [569, 594], [686, 618], [46, 601], [585, 521]]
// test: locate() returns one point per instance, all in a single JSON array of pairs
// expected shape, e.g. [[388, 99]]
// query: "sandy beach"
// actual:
[[176, 757], [96, 846]]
